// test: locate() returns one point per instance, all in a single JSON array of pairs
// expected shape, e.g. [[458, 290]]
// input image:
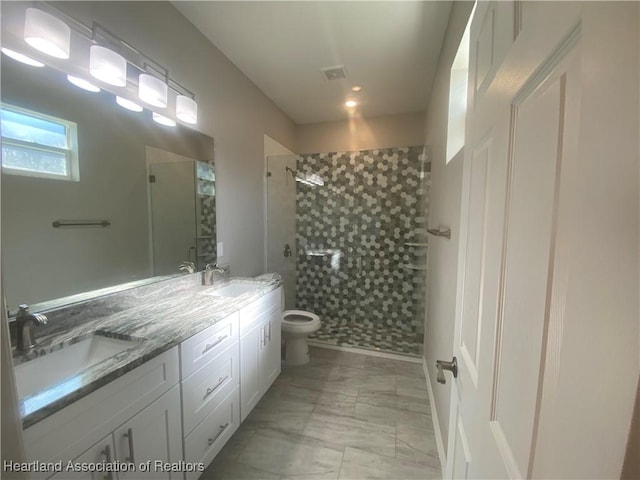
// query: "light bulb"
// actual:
[[21, 58], [47, 33], [82, 83], [152, 90], [128, 104], [162, 120], [186, 109], [108, 66]]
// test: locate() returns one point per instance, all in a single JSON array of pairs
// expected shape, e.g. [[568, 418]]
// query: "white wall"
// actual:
[[361, 133], [444, 209], [231, 109]]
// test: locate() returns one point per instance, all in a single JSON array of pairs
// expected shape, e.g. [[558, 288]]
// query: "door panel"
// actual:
[[471, 307], [537, 124], [518, 136]]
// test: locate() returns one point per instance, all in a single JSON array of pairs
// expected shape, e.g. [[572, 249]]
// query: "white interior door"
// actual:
[[525, 188]]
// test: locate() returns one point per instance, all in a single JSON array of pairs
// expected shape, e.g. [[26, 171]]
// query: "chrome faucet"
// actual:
[[209, 272], [188, 267], [25, 322]]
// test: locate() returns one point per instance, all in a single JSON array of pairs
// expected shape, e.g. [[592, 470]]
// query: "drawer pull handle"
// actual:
[[209, 346], [107, 455], [129, 436], [210, 390], [222, 429]]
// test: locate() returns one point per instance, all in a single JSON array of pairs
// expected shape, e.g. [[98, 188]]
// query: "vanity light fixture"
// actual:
[[152, 90], [112, 60], [186, 109], [46, 33], [128, 104], [356, 88], [83, 84], [350, 103], [108, 66], [21, 58], [162, 120]]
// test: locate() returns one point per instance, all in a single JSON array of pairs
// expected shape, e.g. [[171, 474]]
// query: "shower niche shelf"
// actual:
[[413, 267]]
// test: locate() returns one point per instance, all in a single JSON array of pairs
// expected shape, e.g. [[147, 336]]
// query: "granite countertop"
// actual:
[[153, 324]]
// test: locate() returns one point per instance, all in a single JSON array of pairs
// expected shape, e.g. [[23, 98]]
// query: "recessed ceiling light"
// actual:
[[351, 103], [83, 84], [356, 88], [21, 58]]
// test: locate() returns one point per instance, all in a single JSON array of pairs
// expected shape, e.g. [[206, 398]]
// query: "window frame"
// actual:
[[70, 153]]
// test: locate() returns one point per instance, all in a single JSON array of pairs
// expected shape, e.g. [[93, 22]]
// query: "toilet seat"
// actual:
[[300, 321]]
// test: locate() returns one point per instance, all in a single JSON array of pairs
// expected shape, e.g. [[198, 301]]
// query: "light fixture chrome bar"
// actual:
[[100, 35]]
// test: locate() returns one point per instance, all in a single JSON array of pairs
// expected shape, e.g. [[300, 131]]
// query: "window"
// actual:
[[458, 96], [38, 145]]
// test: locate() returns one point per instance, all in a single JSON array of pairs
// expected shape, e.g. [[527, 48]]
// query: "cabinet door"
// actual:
[[101, 452], [270, 361], [155, 435], [251, 348]]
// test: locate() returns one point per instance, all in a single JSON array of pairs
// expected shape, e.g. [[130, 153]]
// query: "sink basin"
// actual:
[[234, 289], [43, 372]]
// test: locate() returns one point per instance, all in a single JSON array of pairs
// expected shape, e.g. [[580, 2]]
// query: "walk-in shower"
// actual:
[[351, 244]]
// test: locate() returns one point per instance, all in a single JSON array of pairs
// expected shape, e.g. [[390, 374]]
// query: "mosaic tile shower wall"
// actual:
[[206, 214], [361, 246]]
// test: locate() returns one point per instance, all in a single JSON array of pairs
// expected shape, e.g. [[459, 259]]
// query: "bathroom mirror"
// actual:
[[94, 230]]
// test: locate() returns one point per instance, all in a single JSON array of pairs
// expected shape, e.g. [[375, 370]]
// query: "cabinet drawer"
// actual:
[[208, 438], [259, 310], [203, 390], [196, 351]]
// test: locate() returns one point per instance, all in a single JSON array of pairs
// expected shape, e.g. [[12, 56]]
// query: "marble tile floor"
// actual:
[[342, 416], [383, 338]]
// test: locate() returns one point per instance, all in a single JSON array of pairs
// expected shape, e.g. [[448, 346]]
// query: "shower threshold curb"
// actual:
[[364, 351]]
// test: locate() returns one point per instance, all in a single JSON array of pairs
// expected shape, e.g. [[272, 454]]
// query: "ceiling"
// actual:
[[390, 48]]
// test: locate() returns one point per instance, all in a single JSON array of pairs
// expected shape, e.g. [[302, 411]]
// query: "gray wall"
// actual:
[[361, 133], [231, 109], [444, 209]]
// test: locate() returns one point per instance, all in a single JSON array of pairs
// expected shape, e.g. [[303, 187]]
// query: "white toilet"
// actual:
[[297, 325]]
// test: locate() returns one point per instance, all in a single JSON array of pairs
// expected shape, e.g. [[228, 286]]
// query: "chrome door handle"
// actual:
[[210, 390], [209, 346], [452, 366], [107, 455], [129, 435], [222, 428]]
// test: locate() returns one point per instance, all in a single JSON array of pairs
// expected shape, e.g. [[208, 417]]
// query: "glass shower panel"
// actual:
[[281, 223], [360, 242]]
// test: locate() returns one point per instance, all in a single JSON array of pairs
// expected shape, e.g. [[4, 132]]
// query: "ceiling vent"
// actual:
[[334, 73]]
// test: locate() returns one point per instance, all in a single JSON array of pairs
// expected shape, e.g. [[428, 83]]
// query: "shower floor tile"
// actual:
[[384, 338]]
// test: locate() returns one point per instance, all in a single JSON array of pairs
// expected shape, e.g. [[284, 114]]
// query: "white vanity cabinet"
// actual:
[[146, 399], [100, 452], [151, 435], [260, 349], [210, 383]]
